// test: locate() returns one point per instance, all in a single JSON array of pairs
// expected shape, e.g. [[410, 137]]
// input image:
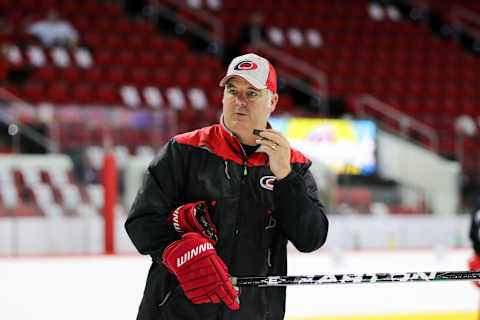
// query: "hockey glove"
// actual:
[[474, 265], [201, 273], [194, 217]]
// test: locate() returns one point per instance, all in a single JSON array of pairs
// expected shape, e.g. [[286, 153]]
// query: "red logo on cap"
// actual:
[[246, 65]]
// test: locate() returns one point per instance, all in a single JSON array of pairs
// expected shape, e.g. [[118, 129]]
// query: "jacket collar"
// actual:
[[231, 138], [234, 142]]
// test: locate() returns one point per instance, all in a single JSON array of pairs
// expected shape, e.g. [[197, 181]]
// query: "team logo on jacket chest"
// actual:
[[266, 182]]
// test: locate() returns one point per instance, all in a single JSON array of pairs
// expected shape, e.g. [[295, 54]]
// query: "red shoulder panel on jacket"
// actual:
[[195, 138], [211, 138], [297, 157]]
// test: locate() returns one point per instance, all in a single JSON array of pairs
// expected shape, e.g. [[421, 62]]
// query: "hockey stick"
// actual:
[[273, 281]]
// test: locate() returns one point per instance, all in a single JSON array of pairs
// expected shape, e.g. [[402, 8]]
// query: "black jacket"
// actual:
[[475, 226], [254, 214]]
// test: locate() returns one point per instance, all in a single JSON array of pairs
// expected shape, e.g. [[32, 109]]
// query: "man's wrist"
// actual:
[[284, 173]]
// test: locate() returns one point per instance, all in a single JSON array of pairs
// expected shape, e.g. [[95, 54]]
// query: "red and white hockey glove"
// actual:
[[201, 273], [194, 217], [474, 265]]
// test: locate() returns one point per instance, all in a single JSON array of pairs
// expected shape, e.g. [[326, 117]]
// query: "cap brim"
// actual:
[[250, 80]]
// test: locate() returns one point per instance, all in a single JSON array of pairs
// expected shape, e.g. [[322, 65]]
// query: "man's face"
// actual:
[[246, 108]]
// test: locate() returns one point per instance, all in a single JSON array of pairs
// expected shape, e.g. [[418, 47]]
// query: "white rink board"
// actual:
[[110, 287]]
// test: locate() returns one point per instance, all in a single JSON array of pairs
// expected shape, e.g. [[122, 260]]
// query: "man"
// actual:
[[223, 201], [53, 31], [474, 261]]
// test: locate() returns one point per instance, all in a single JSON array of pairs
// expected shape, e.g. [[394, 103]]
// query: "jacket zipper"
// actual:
[[244, 158], [245, 172]]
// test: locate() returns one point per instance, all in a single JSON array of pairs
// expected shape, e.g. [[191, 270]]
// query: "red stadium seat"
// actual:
[[114, 41], [146, 29], [94, 75], [140, 77], [101, 25], [34, 92], [27, 5], [188, 116], [136, 42], [107, 94], [71, 74], [215, 97], [147, 59], [160, 78], [126, 58], [104, 57], [93, 39], [58, 93], [285, 103], [205, 79], [92, 8], [169, 60], [81, 23], [116, 75], [82, 93], [157, 44], [191, 61], [178, 46], [68, 8], [124, 25], [183, 79], [112, 10], [46, 74]]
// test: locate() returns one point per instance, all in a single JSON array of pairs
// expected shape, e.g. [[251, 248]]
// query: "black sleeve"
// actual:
[[300, 214], [475, 230], [147, 224]]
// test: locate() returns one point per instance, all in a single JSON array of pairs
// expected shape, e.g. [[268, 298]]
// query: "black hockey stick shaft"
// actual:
[[273, 281]]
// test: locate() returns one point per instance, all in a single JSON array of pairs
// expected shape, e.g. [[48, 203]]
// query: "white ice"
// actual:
[[110, 287]]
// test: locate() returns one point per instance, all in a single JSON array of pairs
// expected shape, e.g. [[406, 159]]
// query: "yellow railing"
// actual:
[[433, 316]]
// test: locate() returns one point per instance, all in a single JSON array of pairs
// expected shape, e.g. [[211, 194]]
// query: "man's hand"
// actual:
[[277, 147], [194, 217], [201, 273], [474, 265]]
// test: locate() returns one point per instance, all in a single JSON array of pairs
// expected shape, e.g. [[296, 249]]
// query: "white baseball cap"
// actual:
[[254, 69]]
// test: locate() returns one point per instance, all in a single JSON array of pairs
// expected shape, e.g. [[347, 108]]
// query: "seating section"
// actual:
[[30, 191], [26, 190], [445, 8], [117, 57], [401, 63], [122, 61]]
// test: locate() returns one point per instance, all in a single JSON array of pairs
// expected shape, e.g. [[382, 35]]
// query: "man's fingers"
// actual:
[[233, 302], [274, 136], [267, 146], [214, 298], [226, 291], [202, 299]]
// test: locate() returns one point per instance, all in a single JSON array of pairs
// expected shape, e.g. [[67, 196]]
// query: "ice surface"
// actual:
[[110, 287]]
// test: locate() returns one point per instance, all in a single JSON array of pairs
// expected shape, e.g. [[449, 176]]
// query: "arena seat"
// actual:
[[9, 195]]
